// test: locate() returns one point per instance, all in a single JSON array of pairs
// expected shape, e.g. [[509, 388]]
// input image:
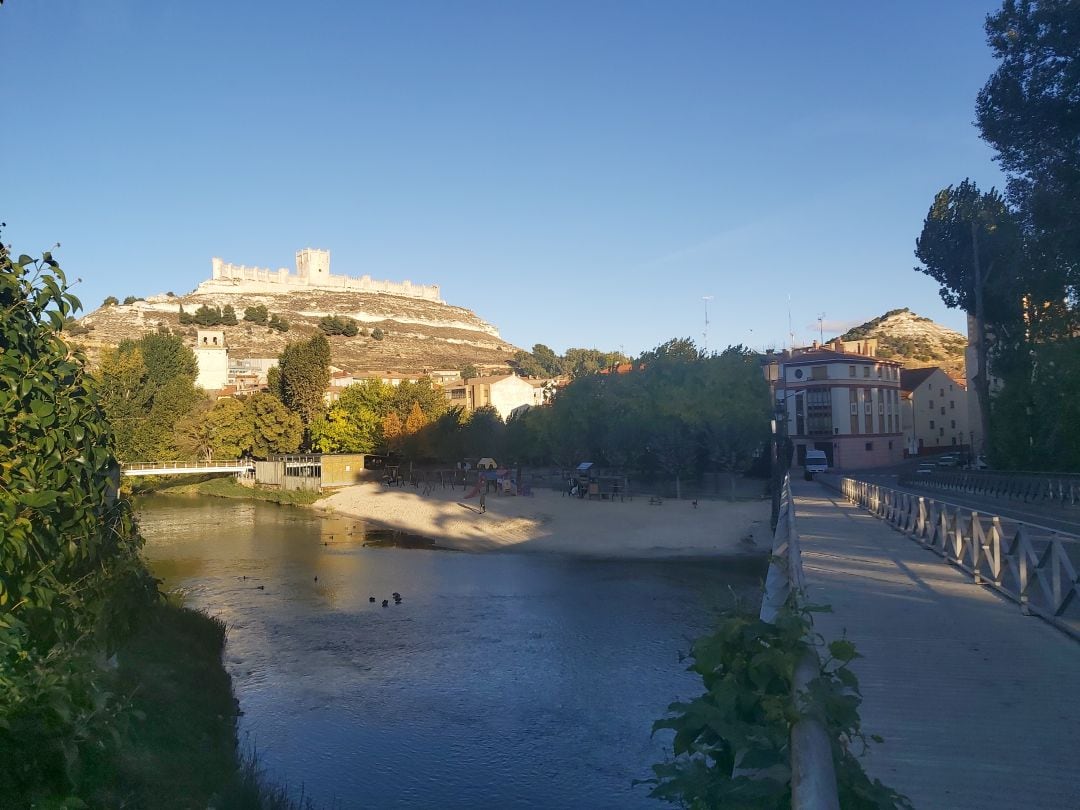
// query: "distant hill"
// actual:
[[914, 341], [419, 334]]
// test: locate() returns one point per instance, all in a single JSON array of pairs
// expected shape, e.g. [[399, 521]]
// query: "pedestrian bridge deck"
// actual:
[[976, 701]]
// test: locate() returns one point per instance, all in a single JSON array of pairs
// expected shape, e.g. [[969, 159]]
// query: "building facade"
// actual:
[[843, 402], [934, 411], [505, 393]]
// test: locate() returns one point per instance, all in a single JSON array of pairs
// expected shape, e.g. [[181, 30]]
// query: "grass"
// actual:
[[181, 749], [229, 487]]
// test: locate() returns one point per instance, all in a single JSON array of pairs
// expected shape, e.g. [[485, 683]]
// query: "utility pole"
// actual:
[[821, 328], [706, 299]]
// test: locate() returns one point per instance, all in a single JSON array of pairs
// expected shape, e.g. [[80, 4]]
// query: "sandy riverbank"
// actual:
[[551, 522]]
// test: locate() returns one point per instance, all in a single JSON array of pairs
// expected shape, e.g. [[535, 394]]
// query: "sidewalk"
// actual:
[[978, 704]]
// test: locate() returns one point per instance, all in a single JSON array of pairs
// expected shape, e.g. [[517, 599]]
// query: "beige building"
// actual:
[[934, 411], [841, 399], [212, 356], [504, 393]]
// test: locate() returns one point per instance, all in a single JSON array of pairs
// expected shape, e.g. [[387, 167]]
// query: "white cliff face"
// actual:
[[915, 341]]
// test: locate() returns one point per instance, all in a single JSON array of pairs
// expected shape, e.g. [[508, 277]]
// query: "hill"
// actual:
[[914, 341], [419, 334]]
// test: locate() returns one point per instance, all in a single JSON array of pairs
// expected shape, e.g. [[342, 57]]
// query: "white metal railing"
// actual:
[[1032, 565], [1059, 489], [179, 467], [813, 775]]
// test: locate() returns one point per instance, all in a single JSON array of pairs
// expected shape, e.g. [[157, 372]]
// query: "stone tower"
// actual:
[[313, 266], [212, 356]]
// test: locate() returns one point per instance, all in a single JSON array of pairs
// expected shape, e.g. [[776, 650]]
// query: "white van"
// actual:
[[816, 461]]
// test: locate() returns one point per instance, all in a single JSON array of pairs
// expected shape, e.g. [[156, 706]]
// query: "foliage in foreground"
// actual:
[[731, 745], [72, 582]]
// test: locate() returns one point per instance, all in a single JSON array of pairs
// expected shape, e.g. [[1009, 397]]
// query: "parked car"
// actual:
[[948, 460], [926, 468]]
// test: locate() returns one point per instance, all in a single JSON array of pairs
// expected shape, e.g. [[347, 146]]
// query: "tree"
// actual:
[[231, 434], [338, 325], [185, 317], [525, 365], [469, 372], [392, 431], [1029, 111], [71, 580], [303, 375], [550, 362], [110, 301], [131, 299], [195, 432], [207, 316], [423, 393], [971, 246], [228, 316], [353, 424], [274, 428], [278, 324], [256, 314]]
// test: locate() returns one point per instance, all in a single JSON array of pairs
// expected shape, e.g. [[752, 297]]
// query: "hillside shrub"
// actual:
[[338, 325]]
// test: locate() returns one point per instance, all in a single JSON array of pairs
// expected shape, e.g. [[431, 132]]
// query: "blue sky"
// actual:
[[580, 173]]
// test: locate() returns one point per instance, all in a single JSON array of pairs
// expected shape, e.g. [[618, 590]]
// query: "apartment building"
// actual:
[[933, 411], [840, 398]]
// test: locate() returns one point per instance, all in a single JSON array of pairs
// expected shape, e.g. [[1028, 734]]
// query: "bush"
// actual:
[[338, 325], [110, 301], [377, 333], [732, 745], [257, 314], [278, 324]]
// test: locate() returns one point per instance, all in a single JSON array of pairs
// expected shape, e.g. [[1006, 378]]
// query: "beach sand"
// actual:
[[551, 522]]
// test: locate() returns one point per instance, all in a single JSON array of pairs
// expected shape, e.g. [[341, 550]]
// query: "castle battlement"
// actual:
[[312, 272]]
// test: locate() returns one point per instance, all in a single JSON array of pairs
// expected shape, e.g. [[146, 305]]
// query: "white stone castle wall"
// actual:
[[313, 272]]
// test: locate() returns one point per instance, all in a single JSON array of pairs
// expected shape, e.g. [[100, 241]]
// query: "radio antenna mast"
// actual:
[[706, 299]]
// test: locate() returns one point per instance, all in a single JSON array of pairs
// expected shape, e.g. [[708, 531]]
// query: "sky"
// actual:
[[579, 173]]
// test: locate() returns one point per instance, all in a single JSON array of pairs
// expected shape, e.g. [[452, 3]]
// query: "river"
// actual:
[[501, 680]]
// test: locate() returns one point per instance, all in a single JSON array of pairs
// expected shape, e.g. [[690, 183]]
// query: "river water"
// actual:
[[502, 680]]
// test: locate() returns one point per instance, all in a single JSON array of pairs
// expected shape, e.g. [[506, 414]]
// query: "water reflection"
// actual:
[[502, 680]]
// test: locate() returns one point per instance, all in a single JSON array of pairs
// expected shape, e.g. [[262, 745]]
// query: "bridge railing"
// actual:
[[1061, 489], [1032, 565], [813, 776], [185, 465]]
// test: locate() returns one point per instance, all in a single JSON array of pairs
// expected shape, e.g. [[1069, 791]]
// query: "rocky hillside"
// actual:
[[418, 335], [914, 341]]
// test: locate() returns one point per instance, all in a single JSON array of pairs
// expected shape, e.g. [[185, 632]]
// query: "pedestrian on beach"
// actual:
[[483, 502]]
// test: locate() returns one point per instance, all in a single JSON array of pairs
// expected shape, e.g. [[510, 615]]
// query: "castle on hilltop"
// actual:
[[312, 273]]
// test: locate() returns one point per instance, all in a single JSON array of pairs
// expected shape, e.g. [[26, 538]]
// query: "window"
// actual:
[[818, 373], [941, 393], [931, 424], [890, 444], [941, 431], [942, 410], [869, 446], [798, 374], [880, 408], [954, 424], [931, 404], [952, 404], [819, 411], [866, 371], [851, 371], [854, 409]]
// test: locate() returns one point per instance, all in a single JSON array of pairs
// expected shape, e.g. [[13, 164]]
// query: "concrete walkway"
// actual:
[[979, 705]]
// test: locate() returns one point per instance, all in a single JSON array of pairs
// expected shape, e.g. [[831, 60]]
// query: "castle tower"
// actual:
[[313, 266], [212, 356]]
